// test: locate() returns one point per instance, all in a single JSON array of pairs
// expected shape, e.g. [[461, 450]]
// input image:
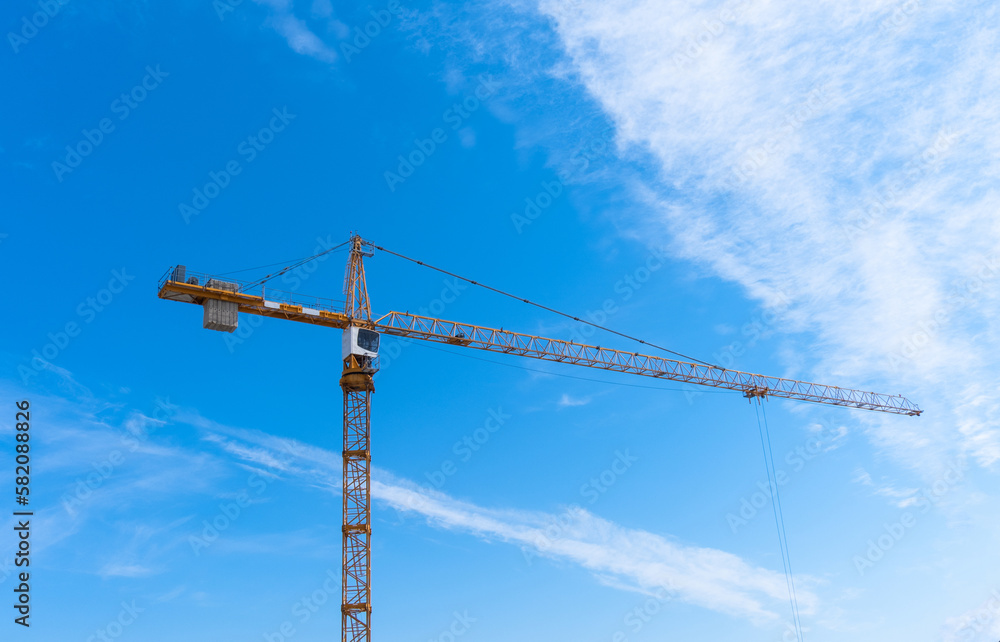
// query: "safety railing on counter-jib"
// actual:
[[180, 274]]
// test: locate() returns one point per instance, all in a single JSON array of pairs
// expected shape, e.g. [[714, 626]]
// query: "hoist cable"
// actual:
[[779, 518]]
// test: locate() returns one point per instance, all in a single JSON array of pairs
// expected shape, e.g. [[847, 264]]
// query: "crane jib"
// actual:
[[328, 313], [752, 385]]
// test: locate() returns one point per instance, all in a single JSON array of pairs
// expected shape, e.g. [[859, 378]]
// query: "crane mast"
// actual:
[[358, 386], [224, 300]]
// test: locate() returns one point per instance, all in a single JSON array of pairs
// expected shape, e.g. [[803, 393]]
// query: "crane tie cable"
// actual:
[[299, 263], [546, 308]]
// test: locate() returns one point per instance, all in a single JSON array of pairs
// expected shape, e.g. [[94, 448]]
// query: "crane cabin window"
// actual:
[[368, 340]]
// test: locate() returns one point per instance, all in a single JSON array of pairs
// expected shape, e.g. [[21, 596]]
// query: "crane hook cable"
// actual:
[[779, 518], [548, 309]]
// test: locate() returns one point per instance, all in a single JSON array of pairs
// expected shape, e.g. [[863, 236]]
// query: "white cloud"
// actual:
[[254, 455], [618, 556], [125, 570], [297, 33], [831, 154], [978, 624], [567, 401], [301, 39], [627, 558], [322, 9], [171, 595], [902, 494], [264, 451], [900, 497]]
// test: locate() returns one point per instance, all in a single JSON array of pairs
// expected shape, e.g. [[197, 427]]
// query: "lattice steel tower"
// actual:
[[360, 364]]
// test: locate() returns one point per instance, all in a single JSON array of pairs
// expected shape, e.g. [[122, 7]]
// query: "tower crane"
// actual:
[[223, 300]]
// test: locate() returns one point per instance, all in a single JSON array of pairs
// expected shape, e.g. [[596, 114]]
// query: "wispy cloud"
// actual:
[[900, 497], [270, 454], [301, 39], [827, 153], [625, 558], [171, 595], [862, 476], [628, 558], [115, 569], [979, 624], [568, 401], [297, 33]]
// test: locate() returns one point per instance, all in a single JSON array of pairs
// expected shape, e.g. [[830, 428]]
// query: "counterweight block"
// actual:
[[223, 316]]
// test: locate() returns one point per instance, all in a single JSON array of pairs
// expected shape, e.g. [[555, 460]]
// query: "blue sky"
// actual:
[[813, 186]]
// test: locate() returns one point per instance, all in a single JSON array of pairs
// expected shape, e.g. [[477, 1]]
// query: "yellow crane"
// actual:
[[223, 300]]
